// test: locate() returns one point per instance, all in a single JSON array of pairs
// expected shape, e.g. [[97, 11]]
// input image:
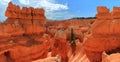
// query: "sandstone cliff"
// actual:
[[24, 36], [22, 21], [104, 34], [21, 33]]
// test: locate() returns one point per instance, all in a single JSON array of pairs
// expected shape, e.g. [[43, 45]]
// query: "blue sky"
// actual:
[[62, 9]]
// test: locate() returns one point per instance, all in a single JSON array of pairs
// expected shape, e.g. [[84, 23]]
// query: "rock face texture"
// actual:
[[103, 13], [79, 56], [116, 13], [25, 36], [111, 58], [14, 11], [61, 32], [21, 33], [22, 21], [104, 34]]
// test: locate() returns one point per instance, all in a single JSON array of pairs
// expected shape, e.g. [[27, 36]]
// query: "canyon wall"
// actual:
[[15, 12], [20, 34], [22, 21], [23, 37], [104, 13], [105, 34]]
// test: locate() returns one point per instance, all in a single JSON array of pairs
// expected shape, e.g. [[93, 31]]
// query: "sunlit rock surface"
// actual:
[[27, 36], [104, 35]]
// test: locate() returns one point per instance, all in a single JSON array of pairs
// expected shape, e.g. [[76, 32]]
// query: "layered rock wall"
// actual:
[[104, 13], [22, 21], [14, 11], [105, 34], [116, 13]]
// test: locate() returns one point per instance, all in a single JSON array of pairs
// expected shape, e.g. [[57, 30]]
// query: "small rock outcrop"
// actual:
[[103, 13], [116, 13]]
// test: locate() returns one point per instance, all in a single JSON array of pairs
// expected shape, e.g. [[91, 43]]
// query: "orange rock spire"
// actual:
[[105, 35]]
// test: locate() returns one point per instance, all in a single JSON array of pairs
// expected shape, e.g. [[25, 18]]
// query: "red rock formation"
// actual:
[[116, 13], [13, 11], [19, 32], [104, 37], [24, 49], [103, 13], [79, 55], [112, 57], [22, 39], [60, 46], [23, 21]]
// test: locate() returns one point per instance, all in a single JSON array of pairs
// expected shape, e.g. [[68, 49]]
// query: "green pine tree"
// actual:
[[72, 37]]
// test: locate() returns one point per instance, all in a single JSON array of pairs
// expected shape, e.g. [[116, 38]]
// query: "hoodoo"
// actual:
[[27, 36], [29, 20], [105, 35], [19, 34]]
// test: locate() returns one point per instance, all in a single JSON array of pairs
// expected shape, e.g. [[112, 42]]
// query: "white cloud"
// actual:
[[26, 2], [3, 6], [53, 10], [48, 5], [59, 15], [4, 2]]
